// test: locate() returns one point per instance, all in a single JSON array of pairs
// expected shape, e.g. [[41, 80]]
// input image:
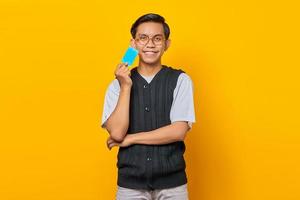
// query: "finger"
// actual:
[[121, 65], [122, 68], [118, 67], [112, 145], [110, 141], [109, 145], [124, 64], [126, 71]]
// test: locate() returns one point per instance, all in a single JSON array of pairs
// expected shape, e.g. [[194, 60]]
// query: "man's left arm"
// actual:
[[164, 135]]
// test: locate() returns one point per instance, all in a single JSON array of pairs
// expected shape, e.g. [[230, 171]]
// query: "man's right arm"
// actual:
[[118, 122]]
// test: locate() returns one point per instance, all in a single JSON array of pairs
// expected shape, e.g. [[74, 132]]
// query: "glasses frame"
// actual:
[[137, 39]]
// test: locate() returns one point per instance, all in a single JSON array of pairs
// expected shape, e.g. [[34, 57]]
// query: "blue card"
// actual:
[[130, 55]]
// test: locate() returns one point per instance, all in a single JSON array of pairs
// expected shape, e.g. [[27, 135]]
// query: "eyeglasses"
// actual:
[[156, 39]]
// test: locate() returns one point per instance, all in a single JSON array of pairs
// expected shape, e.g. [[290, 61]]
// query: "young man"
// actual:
[[147, 111]]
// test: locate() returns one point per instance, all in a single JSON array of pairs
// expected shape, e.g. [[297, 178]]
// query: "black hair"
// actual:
[[150, 17]]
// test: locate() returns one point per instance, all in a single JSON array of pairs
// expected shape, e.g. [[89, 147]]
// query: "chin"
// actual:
[[150, 62]]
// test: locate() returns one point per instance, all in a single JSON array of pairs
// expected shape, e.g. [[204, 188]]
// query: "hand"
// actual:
[[110, 143], [122, 74]]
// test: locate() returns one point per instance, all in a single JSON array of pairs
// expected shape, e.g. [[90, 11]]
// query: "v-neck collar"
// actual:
[[155, 76]]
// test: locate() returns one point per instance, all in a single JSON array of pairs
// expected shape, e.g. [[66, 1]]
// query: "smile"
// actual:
[[150, 52]]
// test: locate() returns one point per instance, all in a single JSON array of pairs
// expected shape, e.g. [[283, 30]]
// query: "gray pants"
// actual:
[[175, 193]]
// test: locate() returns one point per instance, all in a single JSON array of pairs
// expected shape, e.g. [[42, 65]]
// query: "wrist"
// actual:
[[130, 139], [136, 137], [125, 87]]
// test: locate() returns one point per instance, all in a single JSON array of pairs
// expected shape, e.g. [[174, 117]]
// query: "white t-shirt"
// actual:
[[182, 108]]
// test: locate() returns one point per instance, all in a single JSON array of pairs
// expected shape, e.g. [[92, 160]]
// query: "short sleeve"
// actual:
[[182, 108], [110, 100]]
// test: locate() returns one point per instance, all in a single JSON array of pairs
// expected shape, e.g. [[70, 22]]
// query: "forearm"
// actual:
[[164, 135], [118, 122]]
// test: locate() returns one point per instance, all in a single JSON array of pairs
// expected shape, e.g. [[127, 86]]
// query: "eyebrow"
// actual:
[[148, 35]]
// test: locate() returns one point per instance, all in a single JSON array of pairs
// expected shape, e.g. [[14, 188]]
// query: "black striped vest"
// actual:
[[151, 166]]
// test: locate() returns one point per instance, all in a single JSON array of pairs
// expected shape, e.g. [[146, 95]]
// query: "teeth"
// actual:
[[150, 52]]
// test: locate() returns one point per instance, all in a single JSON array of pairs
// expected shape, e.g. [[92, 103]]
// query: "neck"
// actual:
[[146, 69]]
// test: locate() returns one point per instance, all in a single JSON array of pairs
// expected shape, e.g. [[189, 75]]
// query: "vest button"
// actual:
[[145, 86], [147, 109]]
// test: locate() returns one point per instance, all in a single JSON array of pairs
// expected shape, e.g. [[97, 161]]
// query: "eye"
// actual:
[[158, 38], [143, 37]]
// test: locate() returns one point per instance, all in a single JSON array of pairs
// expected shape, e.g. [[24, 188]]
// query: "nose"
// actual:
[[150, 43]]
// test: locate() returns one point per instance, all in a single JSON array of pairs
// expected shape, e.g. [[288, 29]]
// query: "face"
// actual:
[[151, 43]]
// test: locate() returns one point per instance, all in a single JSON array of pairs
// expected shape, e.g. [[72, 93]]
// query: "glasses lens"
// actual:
[[144, 39], [157, 40]]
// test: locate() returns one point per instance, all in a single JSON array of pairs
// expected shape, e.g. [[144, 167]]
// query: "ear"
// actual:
[[132, 43], [168, 43]]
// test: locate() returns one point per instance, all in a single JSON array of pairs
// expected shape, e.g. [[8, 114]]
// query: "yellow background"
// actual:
[[57, 58]]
